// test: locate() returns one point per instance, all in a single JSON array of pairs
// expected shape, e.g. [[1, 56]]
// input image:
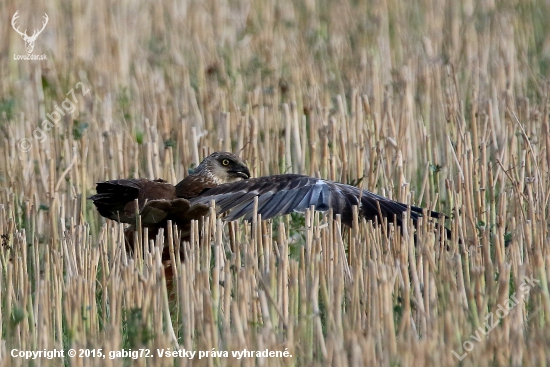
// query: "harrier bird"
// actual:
[[225, 178]]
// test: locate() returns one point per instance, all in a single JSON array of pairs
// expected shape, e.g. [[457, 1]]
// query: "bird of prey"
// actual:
[[225, 178]]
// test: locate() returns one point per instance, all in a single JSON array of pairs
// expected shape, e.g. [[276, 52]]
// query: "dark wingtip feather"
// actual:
[[112, 196]]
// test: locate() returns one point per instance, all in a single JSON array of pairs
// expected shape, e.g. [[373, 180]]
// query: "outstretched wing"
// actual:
[[284, 194]]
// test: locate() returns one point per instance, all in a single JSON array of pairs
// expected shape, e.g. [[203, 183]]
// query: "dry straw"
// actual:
[[442, 105]]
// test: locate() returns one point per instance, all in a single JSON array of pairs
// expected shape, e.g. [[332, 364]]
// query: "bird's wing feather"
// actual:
[[179, 211], [284, 194], [115, 198]]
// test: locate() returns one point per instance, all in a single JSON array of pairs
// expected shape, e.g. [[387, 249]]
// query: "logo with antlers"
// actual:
[[29, 41]]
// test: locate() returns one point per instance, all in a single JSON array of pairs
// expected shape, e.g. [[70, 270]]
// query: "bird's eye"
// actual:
[[225, 162]]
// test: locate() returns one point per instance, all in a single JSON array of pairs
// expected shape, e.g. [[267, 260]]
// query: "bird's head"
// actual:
[[223, 167]]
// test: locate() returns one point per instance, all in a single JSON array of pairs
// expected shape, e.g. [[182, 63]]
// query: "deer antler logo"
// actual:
[[29, 41]]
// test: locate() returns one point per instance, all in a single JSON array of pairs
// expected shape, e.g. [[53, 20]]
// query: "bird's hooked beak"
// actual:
[[241, 171]]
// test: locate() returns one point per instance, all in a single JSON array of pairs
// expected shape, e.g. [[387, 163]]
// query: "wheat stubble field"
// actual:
[[440, 104]]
